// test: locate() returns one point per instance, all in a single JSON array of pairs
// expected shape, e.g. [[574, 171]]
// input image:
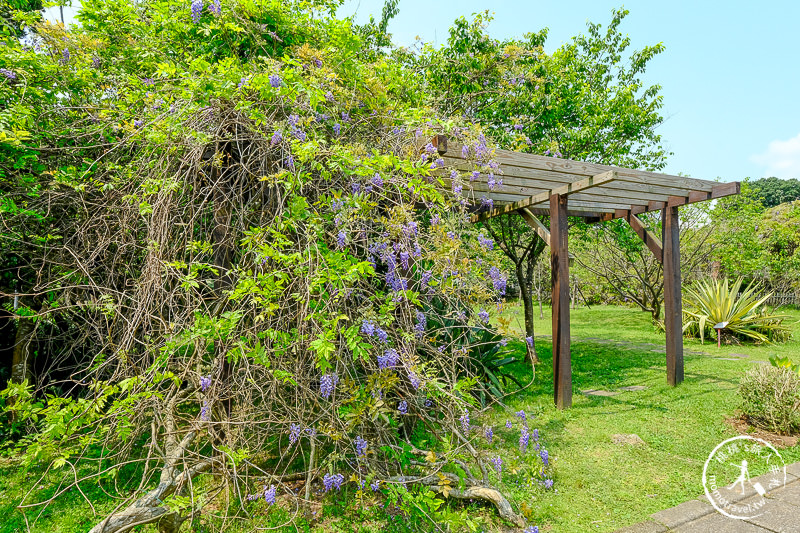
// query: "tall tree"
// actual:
[[585, 101]]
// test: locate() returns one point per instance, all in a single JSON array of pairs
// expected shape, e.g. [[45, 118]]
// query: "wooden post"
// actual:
[[559, 262], [673, 312]]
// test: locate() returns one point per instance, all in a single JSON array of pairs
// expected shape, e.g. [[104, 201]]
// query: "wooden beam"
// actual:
[[719, 190], [563, 190], [536, 224], [559, 262], [650, 240], [673, 313]]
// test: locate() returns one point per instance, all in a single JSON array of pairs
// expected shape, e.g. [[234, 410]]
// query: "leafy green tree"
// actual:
[[773, 191], [586, 101]]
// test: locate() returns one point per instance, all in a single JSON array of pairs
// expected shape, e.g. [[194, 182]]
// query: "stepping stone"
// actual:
[[633, 388], [739, 355], [661, 350], [728, 359], [593, 392], [627, 438]]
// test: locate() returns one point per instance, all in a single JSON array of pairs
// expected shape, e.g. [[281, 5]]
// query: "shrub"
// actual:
[[713, 302], [771, 398]]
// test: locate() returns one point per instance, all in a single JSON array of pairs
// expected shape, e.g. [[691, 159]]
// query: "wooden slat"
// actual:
[[514, 175], [563, 190], [652, 242], [536, 224], [673, 314], [582, 168], [559, 262]]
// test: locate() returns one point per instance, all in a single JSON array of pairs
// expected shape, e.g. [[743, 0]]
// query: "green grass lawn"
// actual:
[[602, 486]]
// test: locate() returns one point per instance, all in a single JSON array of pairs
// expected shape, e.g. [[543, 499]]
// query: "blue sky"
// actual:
[[729, 75]]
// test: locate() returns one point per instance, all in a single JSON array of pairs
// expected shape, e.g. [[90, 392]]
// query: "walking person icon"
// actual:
[[744, 475]]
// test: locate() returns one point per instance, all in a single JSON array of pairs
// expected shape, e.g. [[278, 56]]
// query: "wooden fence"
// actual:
[[783, 298]]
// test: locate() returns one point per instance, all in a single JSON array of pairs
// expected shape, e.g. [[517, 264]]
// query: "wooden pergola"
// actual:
[[536, 185]]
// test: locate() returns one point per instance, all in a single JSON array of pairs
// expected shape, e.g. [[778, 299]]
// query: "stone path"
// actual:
[[781, 514]]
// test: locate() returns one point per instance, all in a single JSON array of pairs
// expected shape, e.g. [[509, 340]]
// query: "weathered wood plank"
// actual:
[[559, 262], [536, 224], [652, 242], [563, 190], [506, 157], [673, 313]]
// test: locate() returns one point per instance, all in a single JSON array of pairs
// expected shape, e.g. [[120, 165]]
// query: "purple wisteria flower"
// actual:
[[521, 415], [414, 379], [483, 316], [535, 435], [138, 123], [518, 126], [439, 162], [545, 457], [524, 439], [419, 327], [341, 239], [345, 117], [332, 481], [9, 74], [529, 341], [503, 342], [64, 57], [368, 327], [289, 162], [426, 278], [508, 424], [404, 257], [465, 151], [464, 422], [337, 128], [375, 486], [197, 10], [498, 281], [269, 494], [487, 203], [498, 464], [488, 432], [475, 175], [486, 242], [388, 359], [275, 81], [205, 383], [327, 384], [531, 529], [215, 8], [457, 188], [377, 181], [361, 446], [381, 335], [548, 484], [403, 407], [205, 411], [294, 432]]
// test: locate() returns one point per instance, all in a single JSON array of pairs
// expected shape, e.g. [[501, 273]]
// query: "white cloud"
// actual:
[[781, 158]]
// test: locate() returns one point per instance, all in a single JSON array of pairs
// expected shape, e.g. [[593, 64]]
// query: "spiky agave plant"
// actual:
[[715, 301]]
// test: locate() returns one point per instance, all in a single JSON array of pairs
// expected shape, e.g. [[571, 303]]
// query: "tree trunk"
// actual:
[[527, 304], [21, 359]]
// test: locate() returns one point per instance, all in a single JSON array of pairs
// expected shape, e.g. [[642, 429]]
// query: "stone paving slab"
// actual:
[[683, 513], [644, 527], [779, 516], [717, 523], [781, 512]]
